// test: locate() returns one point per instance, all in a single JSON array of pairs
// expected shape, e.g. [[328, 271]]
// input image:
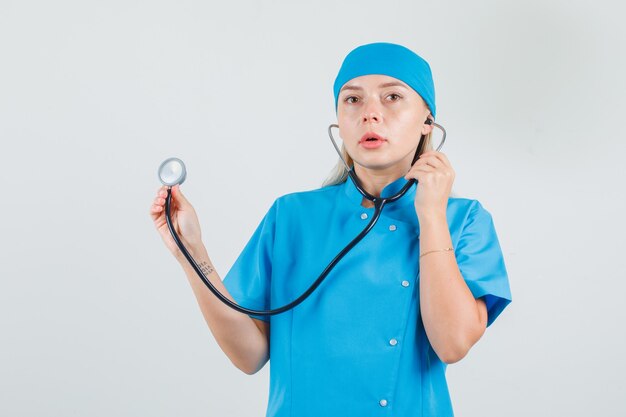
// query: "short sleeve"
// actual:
[[481, 263], [249, 279]]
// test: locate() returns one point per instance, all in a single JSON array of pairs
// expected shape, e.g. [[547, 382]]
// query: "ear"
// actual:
[[427, 128]]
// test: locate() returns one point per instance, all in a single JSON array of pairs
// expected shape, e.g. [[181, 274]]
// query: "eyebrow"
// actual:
[[384, 85]]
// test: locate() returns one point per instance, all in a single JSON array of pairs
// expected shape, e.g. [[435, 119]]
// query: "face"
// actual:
[[384, 108]]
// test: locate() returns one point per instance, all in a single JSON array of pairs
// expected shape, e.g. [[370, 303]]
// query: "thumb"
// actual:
[[178, 195]]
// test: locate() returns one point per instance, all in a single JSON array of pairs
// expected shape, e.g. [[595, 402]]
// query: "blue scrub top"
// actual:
[[357, 345]]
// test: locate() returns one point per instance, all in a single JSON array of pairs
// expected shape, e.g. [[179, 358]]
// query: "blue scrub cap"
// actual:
[[388, 59]]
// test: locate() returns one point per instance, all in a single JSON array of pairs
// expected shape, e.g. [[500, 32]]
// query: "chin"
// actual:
[[384, 162], [377, 164]]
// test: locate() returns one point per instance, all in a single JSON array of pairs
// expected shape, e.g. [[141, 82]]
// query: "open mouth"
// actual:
[[372, 140], [371, 137]]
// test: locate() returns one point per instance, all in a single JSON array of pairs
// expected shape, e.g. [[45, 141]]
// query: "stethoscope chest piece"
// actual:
[[172, 171]]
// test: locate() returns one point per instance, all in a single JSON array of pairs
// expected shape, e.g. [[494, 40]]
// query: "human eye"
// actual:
[[350, 99], [394, 97]]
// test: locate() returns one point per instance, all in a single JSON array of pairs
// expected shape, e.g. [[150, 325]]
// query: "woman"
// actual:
[[413, 296]]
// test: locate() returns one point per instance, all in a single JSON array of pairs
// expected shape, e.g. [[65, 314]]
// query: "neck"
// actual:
[[375, 180]]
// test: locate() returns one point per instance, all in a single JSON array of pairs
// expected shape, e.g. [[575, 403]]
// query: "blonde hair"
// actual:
[[339, 174]]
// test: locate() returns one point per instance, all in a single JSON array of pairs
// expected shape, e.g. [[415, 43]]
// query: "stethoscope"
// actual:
[[172, 171]]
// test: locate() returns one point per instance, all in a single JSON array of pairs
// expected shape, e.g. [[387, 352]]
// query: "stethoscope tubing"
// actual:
[[379, 204]]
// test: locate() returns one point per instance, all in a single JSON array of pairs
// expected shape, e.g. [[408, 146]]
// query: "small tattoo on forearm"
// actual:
[[206, 268]]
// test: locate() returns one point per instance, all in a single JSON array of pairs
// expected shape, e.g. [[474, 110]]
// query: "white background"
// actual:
[[96, 316]]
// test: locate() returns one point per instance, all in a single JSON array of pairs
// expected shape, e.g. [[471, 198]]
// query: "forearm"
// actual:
[[235, 332], [449, 310]]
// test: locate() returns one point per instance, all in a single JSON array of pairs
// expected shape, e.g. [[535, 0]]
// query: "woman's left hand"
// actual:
[[435, 176]]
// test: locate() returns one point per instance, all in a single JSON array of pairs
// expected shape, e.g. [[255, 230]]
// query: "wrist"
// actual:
[[432, 216], [195, 250]]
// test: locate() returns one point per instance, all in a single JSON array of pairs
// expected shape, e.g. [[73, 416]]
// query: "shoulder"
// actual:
[[302, 210], [314, 199], [463, 211], [463, 205], [296, 205]]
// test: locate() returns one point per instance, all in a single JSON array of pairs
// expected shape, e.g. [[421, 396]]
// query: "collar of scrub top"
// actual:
[[390, 189], [402, 210]]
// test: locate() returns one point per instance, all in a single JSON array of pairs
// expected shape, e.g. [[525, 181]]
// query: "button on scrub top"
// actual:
[[357, 345]]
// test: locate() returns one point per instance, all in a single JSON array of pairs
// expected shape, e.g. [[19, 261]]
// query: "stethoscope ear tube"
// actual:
[[417, 153], [443, 138]]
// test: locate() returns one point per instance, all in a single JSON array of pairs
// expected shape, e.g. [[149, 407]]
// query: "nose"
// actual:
[[372, 114]]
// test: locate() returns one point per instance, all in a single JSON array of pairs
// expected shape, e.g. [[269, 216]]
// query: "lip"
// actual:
[[371, 135], [372, 144]]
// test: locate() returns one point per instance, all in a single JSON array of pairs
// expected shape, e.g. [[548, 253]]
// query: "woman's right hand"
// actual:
[[184, 220]]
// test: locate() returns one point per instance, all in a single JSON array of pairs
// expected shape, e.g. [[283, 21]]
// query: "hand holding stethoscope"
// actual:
[[184, 220], [435, 176]]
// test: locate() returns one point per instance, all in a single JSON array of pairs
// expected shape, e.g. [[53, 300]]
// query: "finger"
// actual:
[[161, 193], [178, 195], [442, 156], [181, 201], [436, 158], [425, 168], [413, 173], [438, 155], [429, 160], [432, 153]]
